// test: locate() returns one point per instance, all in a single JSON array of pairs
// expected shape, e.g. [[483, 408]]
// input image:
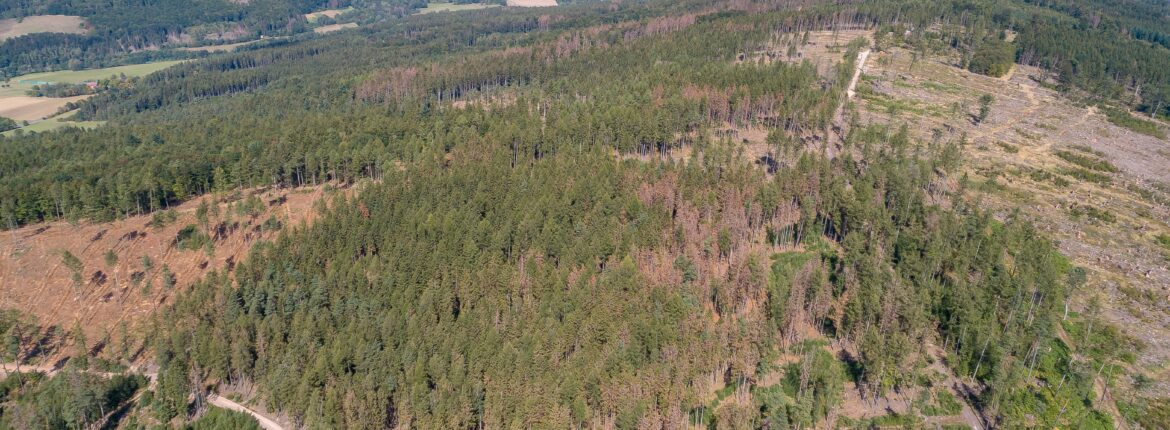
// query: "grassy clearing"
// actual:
[[1150, 413], [58, 122], [532, 3], [1124, 120], [16, 27], [14, 90], [1088, 162], [1039, 175], [433, 7], [78, 76], [1088, 150], [1088, 176], [1103, 215], [1136, 295], [219, 48], [943, 87], [334, 27], [1026, 135], [935, 403], [895, 106], [1101, 342], [19, 85], [332, 13], [1164, 240]]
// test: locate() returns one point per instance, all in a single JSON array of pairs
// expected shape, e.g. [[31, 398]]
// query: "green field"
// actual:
[[452, 7], [55, 123], [334, 27], [15, 87]]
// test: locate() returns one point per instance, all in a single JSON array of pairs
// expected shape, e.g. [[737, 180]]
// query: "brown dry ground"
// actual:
[[331, 13], [217, 48], [825, 49], [34, 279], [14, 27], [23, 108], [1017, 145], [334, 27], [532, 3], [229, 47]]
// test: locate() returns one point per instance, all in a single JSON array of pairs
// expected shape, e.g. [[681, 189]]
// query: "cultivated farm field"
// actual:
[[433, 7], [24, 108], [18, 106], [334, 27], [19, 85], [59, 121], [78, 76], [532, 3], [16, 27], [332, 13]]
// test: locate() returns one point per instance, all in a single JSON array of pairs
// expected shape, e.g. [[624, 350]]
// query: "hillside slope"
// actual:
[[662, 214]]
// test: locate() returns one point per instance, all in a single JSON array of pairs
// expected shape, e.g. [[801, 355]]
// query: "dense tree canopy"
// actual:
[[570, 220]]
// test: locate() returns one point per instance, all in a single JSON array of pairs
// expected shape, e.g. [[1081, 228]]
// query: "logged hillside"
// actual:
[[1083, 174], [108, 277], [652, 215]]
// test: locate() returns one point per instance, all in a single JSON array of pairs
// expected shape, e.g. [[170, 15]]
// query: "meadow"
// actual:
[[17, 86], [334, 27], [332, 13], [54, 123], [78, 76], [15, 104]]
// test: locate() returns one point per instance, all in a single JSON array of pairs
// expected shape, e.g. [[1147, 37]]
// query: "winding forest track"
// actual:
[[215, 399], [967, 415], [50, 370], [226, 403], [850, 93]]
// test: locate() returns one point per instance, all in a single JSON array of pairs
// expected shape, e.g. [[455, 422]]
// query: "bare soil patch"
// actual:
[[334, 27], [35, 280], [532, 3], [331, 13], [23, 108], [218, 48], [16, 27], [824, 49], [1105, 220]]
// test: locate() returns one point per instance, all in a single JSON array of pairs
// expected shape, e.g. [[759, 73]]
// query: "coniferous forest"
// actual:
[[556, 221]]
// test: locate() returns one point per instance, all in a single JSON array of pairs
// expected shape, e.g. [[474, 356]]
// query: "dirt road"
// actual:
[[6, 368], [861, 57], [839, 122], [223, 402]]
